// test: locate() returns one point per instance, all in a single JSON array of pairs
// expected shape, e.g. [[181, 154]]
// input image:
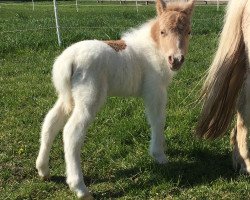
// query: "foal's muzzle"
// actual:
[[175, 62]]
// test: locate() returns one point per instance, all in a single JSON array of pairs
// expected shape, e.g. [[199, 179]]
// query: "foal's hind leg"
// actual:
[[241, 156], [53, 123], [88, 100]]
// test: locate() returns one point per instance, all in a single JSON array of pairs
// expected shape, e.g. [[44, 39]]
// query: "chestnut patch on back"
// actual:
[[117, 45]]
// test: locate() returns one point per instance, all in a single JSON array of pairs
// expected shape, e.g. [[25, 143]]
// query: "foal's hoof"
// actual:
[[87, 197], [45, 178], [43, 170], [79, 188], [159, 158], [44, 174]]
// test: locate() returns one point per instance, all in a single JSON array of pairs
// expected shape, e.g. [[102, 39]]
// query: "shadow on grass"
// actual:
[[89, 181], [58, 179], [62, 179], [204, 168]]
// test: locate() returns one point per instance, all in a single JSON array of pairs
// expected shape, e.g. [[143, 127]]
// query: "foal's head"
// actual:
[[172, 29]]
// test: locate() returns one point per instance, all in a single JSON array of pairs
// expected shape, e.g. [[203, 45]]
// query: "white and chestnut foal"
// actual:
[[141, 64]]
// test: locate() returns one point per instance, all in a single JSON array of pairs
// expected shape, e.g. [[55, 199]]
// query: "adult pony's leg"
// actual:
[[53, 123], [88, 98], [241, 154], [155, 102], [239, 137]]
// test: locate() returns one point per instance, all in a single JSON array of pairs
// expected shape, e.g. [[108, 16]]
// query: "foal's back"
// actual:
[[97, 62]]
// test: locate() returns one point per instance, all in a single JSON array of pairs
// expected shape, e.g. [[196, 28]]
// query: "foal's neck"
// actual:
[[155, 29], [142, 38]]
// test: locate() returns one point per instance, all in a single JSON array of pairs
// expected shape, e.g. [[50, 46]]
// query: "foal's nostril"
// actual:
[[174, 61], [170, 60], [182, 59]]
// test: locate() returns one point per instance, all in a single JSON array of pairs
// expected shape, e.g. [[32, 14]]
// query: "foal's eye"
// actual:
[[162, 32], [189, 32]]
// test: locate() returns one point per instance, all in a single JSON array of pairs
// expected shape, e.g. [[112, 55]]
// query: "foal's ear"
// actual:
[[189, 8], [160, 7]]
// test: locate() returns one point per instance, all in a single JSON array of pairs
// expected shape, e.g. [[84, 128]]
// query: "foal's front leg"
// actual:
[[155, 102]]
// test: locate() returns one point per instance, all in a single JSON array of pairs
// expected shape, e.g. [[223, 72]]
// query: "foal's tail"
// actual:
[[225, 77], [61, 76]]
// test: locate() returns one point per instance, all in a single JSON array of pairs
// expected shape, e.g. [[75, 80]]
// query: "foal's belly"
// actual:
[[124, 80]]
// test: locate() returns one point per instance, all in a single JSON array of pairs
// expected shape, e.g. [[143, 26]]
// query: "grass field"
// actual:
[[118, 165]]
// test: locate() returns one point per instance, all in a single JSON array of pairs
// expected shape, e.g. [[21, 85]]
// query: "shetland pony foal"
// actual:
[[140, 64], [228, 75]]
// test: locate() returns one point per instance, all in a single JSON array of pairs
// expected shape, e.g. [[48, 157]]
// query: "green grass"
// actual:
[[118, 165]]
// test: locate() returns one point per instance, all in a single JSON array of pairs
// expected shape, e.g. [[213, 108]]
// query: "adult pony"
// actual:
[[228, 84], [142, 63]]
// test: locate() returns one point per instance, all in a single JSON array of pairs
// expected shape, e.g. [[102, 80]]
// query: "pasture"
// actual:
[[115, 158]]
